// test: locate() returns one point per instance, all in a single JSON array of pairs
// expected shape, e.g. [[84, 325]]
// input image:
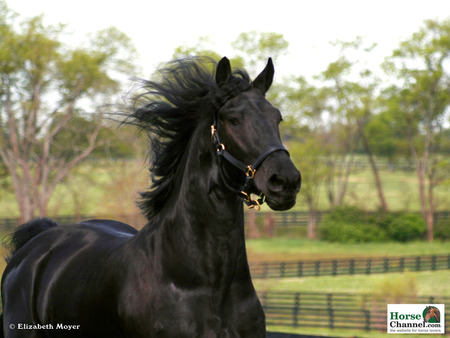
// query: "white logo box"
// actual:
[[416, 318]]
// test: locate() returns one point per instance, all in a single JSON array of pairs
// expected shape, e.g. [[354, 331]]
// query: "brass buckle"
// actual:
[[250, 172], [253, 204], [213, 130]]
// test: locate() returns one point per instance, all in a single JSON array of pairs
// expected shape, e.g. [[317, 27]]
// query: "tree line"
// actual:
[[54, 99]]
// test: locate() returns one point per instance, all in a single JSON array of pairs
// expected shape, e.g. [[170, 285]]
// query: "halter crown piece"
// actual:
[[249, 170]]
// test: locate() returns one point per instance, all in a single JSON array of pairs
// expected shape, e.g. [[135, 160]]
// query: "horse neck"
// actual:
[[199, 198], [202, 224]]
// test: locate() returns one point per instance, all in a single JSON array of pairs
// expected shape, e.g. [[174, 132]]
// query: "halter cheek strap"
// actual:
[[249, 170]]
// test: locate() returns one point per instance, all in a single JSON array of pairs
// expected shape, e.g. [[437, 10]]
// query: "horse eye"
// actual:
[[233, 121]]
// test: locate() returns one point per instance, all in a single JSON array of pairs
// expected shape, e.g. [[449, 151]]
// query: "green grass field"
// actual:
[[285, 249]]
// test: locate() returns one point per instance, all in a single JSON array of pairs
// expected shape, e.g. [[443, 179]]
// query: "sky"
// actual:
[[157, 27]]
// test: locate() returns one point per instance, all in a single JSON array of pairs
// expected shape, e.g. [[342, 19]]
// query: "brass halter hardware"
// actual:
[[251, 204], [250, 172]]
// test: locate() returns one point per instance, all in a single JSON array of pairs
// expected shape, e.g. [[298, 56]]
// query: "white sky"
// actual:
[[157, 27]]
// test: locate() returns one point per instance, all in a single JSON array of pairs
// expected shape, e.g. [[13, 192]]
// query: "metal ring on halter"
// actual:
[[256, 206], [251, 203], [250, 172], [220, 148]]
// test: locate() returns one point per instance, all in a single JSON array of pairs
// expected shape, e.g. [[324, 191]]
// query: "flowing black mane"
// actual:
[[169, 110]]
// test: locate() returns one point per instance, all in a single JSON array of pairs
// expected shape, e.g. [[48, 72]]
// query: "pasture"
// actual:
[[380, 288], [277, 249]]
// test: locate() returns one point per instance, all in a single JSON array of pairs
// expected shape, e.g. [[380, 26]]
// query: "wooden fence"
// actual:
[[334, 310], [349, 266]]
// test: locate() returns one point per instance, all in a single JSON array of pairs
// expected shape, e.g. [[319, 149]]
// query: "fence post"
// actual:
[[386, 265], [330, 311], [367, 315], [369, 266], [317, 268], [282, 269], [296, 309], [402, 264], [433, 263], [352, 267], [300, 268], [418, 263], [334, 269]]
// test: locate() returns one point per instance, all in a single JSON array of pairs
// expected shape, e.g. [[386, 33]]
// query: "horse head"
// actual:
[[250, 140], [432, 312]]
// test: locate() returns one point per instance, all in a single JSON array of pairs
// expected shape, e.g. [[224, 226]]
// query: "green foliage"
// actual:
[[352, 233], [442, 230], [353, 225], [203, 47], [258, 46], [408, 227]]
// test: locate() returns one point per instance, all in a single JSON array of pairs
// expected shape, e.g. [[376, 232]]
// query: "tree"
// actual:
[[353, 105], [304, 133], [308, 155], [203, 47], [258, 46], [422, 98], [47, 87]]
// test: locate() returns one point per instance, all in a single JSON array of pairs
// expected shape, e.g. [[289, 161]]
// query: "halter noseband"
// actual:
[[249, 170]]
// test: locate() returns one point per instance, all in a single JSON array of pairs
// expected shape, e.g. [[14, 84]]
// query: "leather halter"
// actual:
[[249, 170]]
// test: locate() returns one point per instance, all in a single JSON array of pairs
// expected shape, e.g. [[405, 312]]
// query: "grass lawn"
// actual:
[[289, 249], [424, 283]]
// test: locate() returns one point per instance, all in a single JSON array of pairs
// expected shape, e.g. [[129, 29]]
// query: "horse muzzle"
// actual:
[[279, 180]]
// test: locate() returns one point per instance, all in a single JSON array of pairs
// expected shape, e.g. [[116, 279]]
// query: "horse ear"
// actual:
[[264, 80], [223, 71]]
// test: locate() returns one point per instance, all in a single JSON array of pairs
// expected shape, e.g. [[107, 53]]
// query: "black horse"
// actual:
[[215, 143]]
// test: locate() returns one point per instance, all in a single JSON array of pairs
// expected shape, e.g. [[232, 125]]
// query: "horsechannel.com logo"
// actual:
[[416, 318]]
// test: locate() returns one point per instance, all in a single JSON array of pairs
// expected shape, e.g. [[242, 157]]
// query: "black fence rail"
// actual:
[[349, 266], [334, 310]]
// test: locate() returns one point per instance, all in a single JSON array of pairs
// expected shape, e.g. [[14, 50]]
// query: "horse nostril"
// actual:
[[277, 182]]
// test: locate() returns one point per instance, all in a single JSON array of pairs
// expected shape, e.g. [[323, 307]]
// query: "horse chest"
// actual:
[[173, 312]]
